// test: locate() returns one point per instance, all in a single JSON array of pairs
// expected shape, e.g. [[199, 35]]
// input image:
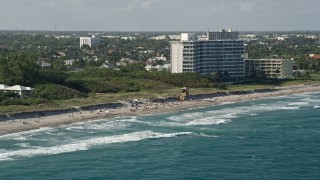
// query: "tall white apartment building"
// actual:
[[93, 41], [221, 52]]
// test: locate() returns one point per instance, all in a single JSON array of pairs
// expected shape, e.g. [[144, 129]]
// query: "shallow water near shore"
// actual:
[[274, 138]]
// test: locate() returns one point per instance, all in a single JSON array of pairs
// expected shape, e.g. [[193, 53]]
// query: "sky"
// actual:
[[159, 15]]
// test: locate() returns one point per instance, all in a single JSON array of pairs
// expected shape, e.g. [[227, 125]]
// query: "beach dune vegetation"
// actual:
[[57, 92]]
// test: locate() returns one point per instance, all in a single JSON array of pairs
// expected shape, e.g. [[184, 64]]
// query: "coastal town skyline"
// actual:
[[159, 89], [164, 15]]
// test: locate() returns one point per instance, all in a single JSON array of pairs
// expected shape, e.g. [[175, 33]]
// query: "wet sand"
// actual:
[[25, 124]]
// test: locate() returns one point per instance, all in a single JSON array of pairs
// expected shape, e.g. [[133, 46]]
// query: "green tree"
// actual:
[[19, 68], [217, 76]]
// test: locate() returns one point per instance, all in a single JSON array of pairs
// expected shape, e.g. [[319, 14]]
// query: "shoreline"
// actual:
[[32, 123]]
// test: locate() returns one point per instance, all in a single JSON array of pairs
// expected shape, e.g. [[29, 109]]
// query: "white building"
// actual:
[[45, 65], [150, 67], [128, 38], [161, 58], [69, 62], [223, 53], [175, 37], [188, 36], [160, 37], [17, 89], [90, 41], [271, 68]]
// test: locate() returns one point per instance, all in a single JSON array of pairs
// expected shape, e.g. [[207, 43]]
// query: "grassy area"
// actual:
[[81, 102], [163, 92]]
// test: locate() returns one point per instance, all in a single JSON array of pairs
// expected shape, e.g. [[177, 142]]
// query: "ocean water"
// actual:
[[274, 138]]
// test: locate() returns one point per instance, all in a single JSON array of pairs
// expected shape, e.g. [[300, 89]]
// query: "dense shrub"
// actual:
[[101, 87], [192, 80], [6, 95], [57, 92], [34, 101], [97, 73], [92, 85], [11, 98], [54, 77], [77, 84], [103, 77], [12, 101], [145, 84]]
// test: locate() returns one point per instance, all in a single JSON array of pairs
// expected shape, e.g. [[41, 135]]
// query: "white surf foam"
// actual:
[[310, 100], [23, 145], [205, 135], [226, 103], [86, 144], [210, 117], [24, 135], [196, 108], [227, 114], [289, 108], [298, 104], [133, 119], [186, 116], [316, 107], [113, 124], [207, 121], [75, 128]]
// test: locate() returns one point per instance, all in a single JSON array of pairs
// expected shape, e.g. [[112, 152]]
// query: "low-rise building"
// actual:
[[161, 58], [150, 67], [271, 68], [314, 56], [160, 37], [43, 63], [20, 90], [69, 62], [124, 62], [175, 37]]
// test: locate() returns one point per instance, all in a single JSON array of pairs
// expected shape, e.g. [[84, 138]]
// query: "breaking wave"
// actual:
[[82, 145]]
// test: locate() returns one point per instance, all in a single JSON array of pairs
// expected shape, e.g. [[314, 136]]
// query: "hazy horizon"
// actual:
[[159, 15]]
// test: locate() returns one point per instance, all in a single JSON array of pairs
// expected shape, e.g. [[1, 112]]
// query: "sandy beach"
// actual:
[[31, 123]]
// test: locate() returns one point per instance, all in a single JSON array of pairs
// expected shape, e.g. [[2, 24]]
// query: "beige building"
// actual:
[[271, 68]]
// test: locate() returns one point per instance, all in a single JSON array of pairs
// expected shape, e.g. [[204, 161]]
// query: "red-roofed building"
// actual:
[[314, 56]]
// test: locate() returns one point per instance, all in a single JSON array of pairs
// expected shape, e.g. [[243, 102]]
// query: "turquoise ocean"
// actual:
[[274, 138]]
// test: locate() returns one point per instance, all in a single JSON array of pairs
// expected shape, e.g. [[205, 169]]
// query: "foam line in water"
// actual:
[[87, 144], [196, 108], [25, 134], [226, 103], [227, 114], [107, 124], [298, 104], [205, 135], [207, 121], [289, 108], [310, 100], [219, 119]]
